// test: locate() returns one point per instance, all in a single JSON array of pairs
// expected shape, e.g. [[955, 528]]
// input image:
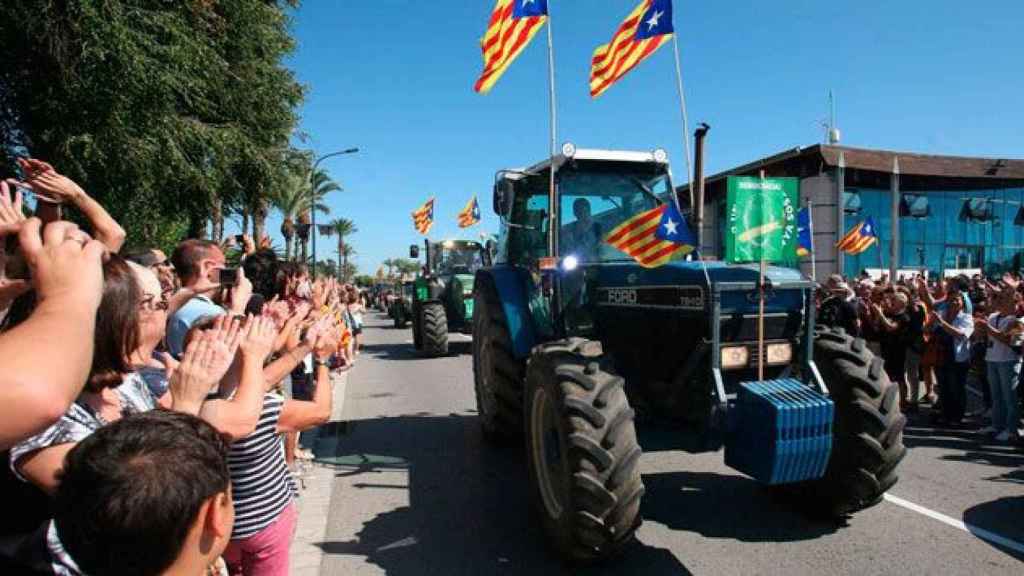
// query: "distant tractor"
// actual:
[[572, 338], [401, 307], [442, 299]]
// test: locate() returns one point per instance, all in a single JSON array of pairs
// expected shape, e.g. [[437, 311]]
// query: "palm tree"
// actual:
[[345, 251], [293, 200], [390, 265], [343, 228], [322, 185]]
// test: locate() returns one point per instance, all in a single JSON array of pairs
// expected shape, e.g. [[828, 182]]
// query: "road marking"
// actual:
[[969, 528]]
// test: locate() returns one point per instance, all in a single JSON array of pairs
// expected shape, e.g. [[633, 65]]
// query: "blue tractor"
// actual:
[[572, 339]]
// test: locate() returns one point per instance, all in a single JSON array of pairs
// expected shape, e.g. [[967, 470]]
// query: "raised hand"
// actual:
[[66, 265], [11, 216], [195, 376], [49, 185], [241, 293], [326, 344], [226, 337], [258, 338]]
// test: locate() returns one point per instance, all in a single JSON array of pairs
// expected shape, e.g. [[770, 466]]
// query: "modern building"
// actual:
[[943, 214]]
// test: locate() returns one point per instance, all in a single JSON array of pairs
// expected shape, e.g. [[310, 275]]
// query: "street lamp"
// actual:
[[312, 198]]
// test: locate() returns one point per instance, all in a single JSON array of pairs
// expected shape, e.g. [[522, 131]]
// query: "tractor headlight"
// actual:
[[781, 353], [735, 357], [661, 156], [570, 263]]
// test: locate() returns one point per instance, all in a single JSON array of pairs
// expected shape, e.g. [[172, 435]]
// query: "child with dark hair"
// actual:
[[146, 495]]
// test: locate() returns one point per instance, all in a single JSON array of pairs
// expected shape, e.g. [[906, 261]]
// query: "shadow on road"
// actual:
[[1002, 517], [967, 446], [721, 506], [406, 351], [468, 510]]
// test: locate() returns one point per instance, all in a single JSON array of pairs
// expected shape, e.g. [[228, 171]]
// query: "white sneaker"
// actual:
[[987, 430], [303, 454], [1003, 436]]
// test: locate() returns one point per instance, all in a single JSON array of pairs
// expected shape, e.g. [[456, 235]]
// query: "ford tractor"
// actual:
[[572, 338], [442, 298]]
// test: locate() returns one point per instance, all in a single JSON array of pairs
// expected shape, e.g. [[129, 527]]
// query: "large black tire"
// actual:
[[497, 376], [417, 334], [867, 443], [582, 451], [434, 329]]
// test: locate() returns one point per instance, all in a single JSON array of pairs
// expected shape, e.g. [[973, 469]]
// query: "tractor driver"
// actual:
[[582, 237]]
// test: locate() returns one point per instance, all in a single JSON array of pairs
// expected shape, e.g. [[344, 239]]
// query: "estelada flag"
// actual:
[[423, 217], [654, 237], [804, 232], [470, 215], [512, 25], [859, 238], [646, 28]]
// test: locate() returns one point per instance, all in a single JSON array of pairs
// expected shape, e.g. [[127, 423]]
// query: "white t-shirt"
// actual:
[[998, 351]]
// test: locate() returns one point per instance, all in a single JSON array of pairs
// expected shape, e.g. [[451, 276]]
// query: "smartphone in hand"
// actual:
[[227, 276]]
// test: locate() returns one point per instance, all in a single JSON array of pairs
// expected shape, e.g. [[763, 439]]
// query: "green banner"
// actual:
[[761, 219]]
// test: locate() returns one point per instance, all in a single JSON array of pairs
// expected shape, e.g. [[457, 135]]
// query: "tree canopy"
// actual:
[[166, 112]]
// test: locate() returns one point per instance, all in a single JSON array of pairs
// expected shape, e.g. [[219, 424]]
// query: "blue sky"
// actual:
[[394, 77]]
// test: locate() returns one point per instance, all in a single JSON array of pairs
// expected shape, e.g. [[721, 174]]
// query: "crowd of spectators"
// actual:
[[959, 336], [151, 405]]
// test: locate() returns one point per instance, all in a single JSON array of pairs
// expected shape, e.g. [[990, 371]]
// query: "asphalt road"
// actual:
[[417, 491]]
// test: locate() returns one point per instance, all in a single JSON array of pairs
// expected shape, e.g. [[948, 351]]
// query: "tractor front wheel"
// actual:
[[497, 374], [433, 326], [399, 317], [582, 451], [867, 441]]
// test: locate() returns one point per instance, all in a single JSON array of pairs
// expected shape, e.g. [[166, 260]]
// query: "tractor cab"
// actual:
[[572, 337]]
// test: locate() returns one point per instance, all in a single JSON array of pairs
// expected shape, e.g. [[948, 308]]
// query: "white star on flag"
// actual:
[[654, 20], [670, 226], [525, 2]]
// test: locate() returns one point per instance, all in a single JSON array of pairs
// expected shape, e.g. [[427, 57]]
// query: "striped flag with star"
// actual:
[[470, 215], [512, 25], [423, 217], [645, 30], [859, 238], [654, 237]]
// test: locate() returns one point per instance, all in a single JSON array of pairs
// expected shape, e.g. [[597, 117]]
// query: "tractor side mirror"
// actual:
[[414, 251], [502, 200]]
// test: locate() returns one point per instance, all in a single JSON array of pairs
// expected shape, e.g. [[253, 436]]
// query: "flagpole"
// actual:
[[552, 200], [686, 122], [760, 289], [810, 231]]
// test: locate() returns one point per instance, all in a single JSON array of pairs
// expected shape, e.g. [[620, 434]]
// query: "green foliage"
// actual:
[[364, 280], [154, 107]]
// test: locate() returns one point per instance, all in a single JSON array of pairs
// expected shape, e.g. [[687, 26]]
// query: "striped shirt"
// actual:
[[261, 484]]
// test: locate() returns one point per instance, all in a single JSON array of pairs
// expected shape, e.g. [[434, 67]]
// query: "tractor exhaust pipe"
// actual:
[[697, 200]]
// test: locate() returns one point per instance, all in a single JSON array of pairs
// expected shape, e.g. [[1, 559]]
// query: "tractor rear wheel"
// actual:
[[434, 329], [582, 451], [417, 322], [867, 441], [497, 374]]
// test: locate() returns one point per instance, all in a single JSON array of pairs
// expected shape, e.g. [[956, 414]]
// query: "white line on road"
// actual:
[[979, 532]]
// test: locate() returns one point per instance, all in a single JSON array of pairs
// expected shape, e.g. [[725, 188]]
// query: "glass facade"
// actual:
[[934, 237]]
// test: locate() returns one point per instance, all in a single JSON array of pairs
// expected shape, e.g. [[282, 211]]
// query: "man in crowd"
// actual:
[[198, 264], [146, 495], [840, 306]]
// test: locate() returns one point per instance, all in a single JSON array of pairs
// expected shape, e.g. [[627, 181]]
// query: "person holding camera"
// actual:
[[1004, 330], [202, 269]]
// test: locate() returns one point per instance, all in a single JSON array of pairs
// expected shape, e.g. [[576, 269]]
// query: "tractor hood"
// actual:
[[684, 286]]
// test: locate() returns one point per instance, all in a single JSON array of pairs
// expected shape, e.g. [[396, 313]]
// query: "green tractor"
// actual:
[[442, 298], [572, 338], [401, 305]]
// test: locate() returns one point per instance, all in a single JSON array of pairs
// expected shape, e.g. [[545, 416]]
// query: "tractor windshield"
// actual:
[[596, 198], [460, 258]]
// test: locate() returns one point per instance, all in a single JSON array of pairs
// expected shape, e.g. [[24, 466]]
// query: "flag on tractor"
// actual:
[[654, 237], [512, 25], [423, 217], [804, 232], [646, 28], [470, 215], [859, 238], [761, 215]]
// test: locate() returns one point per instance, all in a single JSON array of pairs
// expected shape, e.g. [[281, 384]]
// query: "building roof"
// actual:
[[921, 164], [864, 166]]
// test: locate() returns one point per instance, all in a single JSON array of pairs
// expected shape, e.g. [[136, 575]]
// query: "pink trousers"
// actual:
[[265, 553]]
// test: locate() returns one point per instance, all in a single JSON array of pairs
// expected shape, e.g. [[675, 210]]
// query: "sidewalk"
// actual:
[[315, 491]]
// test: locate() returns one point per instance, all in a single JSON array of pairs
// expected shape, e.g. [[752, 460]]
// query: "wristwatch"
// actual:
[[318, 362]]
